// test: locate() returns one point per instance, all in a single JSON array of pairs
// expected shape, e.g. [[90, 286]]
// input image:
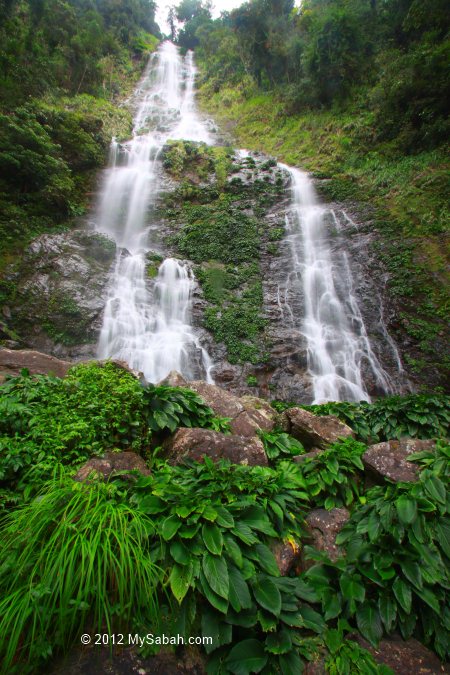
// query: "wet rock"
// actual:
[[61, 289], [316, 667], [389, 460], [13, 360], [323, 527], [287, 554], [110, 464], [195, 443], [405, 657], [173, 379], [314, 430], [221, 401]]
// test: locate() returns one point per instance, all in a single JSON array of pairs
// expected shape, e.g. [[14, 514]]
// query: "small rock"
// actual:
[[405, 657], [299, 459], [389, 460], [323, 527], [111, 463], [173, 379], [287, 555], [196, 443], [314, 430], [12, 361]]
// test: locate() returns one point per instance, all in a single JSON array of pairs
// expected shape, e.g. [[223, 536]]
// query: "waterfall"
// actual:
[[339, 352], [150, 329]]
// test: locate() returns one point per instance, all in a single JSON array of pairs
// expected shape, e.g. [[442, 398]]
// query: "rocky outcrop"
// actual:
[[195, 444], [323, 527], [389, 460], [110, 465], [247, 414], [314, 431], [405, 657], [61, 284], [12, 361]]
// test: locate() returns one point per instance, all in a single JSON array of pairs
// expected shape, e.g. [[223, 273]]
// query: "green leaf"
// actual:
[[209, 512], [443, 536], [212, 536], [352, 589], [369, 623], [290, 663], [333, 639], [266, 559], [402, 593], [279, 643], [247, 657], [180, 553], [170, 527], [312, 619], [180, 580], [411, 571], [388, 611], [406, 509], [221, 604], [216, 573], [267, 595], [244, 533], [224, 517], [233, 550], [429, 598], [435, 488], [239, 593]]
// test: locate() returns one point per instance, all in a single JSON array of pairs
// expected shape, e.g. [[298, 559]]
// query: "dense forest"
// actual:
[[284, 537]]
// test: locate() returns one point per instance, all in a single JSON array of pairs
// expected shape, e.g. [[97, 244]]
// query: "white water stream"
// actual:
[[151, 331], [337, 341]]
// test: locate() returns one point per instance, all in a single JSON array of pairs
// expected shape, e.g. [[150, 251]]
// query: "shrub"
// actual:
[[395, 572], [75, 556]]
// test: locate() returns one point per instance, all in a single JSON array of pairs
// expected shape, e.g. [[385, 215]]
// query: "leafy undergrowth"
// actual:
[[196, 543], [415, 415]]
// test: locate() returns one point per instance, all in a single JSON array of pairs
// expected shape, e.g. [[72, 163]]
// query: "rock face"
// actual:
[[389, 460], [247, 414], [405, 657], [110, 464], [323, 527], [196, 443], [312, 430], [12, 361], [62, 282]]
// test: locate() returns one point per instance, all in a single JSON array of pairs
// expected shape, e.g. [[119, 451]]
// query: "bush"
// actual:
[[76, 556], [395, 572]]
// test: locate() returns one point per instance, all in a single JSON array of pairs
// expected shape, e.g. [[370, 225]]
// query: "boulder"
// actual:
[[247, 415], [314, 430], [405, 657], [287, 555], [13, 360], [196, 443], [110, 464], [389, 460], [323, 527], [173, 379]]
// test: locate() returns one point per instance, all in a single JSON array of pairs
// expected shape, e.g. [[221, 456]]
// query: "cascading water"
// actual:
[[338, 346], [151, 331]]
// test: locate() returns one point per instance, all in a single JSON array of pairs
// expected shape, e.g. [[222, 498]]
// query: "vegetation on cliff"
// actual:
[[63, 67], [354, 92]]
